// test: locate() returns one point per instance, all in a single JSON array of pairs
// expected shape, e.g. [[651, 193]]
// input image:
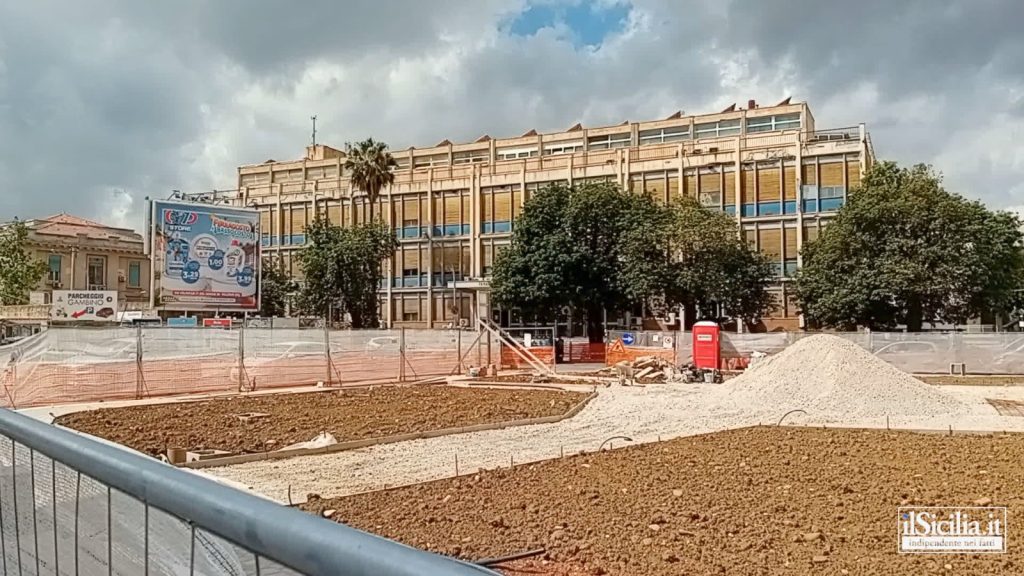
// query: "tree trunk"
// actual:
[[595, 324], [915, 315], [689, 315], [357, 319]]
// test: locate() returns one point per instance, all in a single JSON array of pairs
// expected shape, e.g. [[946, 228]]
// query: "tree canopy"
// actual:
[[371, 168], [342, 268], [904, 251], [276, 287], [596, 247], [20, 271]]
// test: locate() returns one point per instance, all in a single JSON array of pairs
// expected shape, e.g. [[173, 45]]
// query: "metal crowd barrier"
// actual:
[[70, 504]]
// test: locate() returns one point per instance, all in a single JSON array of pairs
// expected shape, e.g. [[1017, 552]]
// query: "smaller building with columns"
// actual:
[[453, 206]]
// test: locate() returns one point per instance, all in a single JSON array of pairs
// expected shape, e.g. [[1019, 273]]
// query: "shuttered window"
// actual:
[[789, 182], [809, 177], [832, 174], [791, 237], [690, 183], [769, 187], [502, 206], [654, 184], [730, 188], [451, 210], [771, 242], [747, 193], [852, 173]]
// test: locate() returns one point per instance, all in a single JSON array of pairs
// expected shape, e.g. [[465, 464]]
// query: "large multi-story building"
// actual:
[[453, 206], [84, 255]]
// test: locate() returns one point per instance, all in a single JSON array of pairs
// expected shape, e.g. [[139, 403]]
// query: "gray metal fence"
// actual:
[[77, 364], [73, 505], [915, 352]]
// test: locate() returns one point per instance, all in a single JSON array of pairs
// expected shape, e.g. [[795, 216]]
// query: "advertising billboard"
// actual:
[[82, 305], [208, 256]]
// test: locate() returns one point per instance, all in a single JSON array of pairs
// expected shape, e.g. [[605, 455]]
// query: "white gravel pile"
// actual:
[[828, 375]]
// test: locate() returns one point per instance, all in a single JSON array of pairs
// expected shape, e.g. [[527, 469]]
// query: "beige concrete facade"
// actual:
[[453, 205], [85, 255]]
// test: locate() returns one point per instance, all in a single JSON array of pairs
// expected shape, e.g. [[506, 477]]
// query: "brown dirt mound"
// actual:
[[752, 501], [347, 414]]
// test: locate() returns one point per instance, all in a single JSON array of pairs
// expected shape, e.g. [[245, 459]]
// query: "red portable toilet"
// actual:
[[707, 351]]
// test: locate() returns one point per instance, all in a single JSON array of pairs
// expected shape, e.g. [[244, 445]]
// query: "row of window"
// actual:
[[719, 129], [96, 272]]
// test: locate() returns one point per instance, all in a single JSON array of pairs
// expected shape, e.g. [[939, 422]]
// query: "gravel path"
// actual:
[[644, 414]]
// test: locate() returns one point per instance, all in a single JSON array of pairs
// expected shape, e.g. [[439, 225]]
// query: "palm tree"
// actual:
[[370, 167]]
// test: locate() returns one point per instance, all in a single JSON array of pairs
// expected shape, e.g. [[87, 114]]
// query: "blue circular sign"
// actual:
[[244, 276], [190, 272], [216, 260], [628, 338]]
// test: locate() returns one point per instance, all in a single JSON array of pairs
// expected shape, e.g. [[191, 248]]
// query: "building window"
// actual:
[[717, 129], [516, 153], [432, 160], [711, 199], [97, 273], [55, 267], [135, 274], [471, 157], [563, 148], [609, 141], [662, 135], [774, 123]]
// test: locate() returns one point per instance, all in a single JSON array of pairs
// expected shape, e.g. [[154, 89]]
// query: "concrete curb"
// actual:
[[367, 442]]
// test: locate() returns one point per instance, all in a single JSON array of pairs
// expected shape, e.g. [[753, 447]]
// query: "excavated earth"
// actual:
[[753, 501], [291, 418]]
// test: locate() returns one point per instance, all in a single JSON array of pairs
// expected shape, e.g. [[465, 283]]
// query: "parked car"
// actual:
[[285, 363], [382, 343], [915, 356], [1010, 360]]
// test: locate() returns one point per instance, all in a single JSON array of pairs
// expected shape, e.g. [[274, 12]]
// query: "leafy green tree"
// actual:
[[565, 252], [371, 168], [20, 271], [342, 268], [712, 266], [903, 250], [276, 287], [686, 255], [595, 247]]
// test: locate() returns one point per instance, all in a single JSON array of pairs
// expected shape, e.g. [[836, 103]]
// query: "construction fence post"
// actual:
[[139, 382], [554, 346], [458, 350], [241, 359], [327, 353], [490, 357], [401, 354]]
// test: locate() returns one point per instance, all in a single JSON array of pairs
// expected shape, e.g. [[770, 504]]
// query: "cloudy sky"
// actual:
[[105, 102]]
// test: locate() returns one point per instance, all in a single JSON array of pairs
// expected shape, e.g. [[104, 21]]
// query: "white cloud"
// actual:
[[178, 95]]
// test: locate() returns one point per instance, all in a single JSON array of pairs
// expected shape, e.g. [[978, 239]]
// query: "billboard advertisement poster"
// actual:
[[208, 256], [82, 305]]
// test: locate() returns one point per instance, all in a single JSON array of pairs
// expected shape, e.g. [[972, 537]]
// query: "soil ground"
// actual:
[[979, 380], [765, 500], [347, 414]]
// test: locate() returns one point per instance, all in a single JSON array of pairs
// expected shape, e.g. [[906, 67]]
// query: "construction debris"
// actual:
[[656, 370]]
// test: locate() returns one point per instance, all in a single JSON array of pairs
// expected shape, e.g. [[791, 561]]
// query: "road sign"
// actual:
[[628, 339]]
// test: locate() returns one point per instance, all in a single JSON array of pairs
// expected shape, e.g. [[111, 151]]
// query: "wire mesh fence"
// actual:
[[64, 365], [73, 505], [914, 352]]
